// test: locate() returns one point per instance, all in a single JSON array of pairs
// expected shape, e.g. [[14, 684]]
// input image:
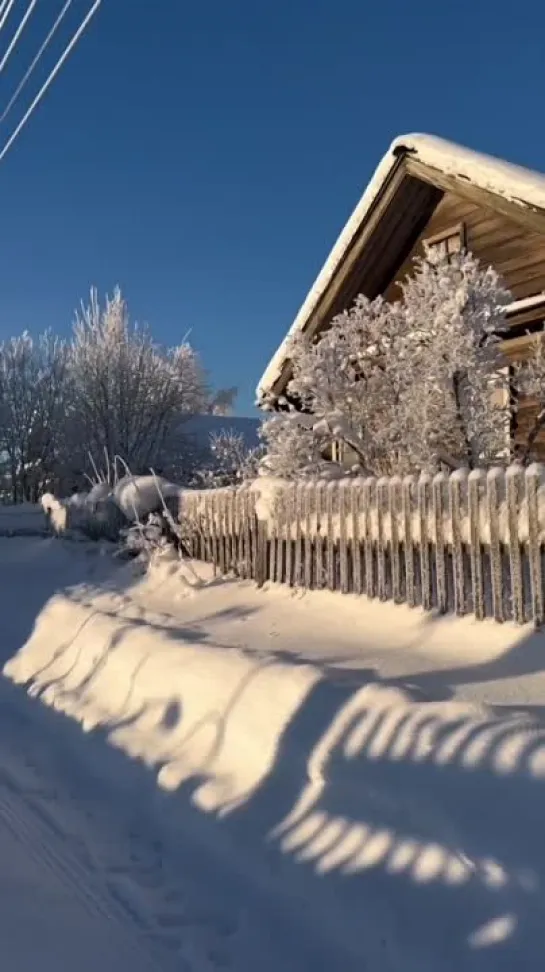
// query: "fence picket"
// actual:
[[355, 505], [440, 488], [494, 477], [424, 510], [369, 496], [475, 491], [298, 541], [319, 541], [534, 478], [382, 508], [413, 540], [394, 508], [289, 508], [343, 543], [457, 501], [330, 545], [409, 490], [308, 496], [513, 490]]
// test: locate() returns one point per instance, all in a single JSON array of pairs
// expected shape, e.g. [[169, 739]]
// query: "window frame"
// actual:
[[456, 232]]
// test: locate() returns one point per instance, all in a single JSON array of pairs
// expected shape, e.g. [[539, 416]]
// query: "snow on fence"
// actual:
[[470, 544]]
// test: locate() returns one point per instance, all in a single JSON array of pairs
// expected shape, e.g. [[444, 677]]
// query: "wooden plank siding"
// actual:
[[518, 254]]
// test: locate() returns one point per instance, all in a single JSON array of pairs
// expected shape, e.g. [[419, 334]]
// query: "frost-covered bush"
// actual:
[[228, 462], [529, 383], [402, 386]]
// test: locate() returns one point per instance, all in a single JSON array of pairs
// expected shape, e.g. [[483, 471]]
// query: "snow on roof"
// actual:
[[201, 427], [518, 185]]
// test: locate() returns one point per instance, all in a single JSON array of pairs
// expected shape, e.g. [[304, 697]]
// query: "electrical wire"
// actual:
[[51, 77], [30, 69], [17, 34], [5, 8]]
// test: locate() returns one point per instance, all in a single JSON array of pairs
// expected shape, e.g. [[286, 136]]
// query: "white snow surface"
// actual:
[[520, 186], [199, 775]]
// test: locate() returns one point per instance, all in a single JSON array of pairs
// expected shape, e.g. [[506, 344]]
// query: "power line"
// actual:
[[17, 34], [30, 69], [51, 77], [5, 8]]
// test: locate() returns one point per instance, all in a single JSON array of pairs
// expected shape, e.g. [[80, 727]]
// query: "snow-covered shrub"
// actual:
[[228, 462], [529, 383], [454, 401], [404, 386], [139, 496]]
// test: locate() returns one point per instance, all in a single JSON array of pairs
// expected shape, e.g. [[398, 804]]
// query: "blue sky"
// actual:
[[205, 156]]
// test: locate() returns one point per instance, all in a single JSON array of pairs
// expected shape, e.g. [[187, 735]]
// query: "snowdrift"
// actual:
[[22, 519], [317, 737]]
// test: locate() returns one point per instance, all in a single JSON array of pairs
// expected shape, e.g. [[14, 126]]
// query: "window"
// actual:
[[449, 241]]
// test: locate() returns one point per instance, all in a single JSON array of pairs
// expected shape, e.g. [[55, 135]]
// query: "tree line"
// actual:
[[109, 390]]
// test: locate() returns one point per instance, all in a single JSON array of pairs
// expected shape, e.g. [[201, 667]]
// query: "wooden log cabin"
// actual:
[[429, 190]]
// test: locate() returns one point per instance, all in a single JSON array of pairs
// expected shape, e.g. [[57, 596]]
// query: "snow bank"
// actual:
[[22, 519], [193, 696], [138, 496], [336, 738]]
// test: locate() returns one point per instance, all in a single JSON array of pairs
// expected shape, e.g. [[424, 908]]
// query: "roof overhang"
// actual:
[[400, 198]]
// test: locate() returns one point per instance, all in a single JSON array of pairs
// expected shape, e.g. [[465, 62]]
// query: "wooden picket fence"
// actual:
[[469, 544]]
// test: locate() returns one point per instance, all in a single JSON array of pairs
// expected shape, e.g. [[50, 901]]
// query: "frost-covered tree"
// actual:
[[294, 446], [222, 402], [33, 403], [347, 385], [127, 392], [529, 383], [402, 386], [227, 462], [454, 402]]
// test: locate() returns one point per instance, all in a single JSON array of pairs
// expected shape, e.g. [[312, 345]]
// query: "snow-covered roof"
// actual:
[[517, 185], [201, 427]]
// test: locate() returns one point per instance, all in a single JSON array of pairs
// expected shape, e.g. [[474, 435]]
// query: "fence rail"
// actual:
[[470, 544]]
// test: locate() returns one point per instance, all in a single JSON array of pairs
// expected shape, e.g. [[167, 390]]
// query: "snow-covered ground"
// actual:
[[208, 776], [21, 519]]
